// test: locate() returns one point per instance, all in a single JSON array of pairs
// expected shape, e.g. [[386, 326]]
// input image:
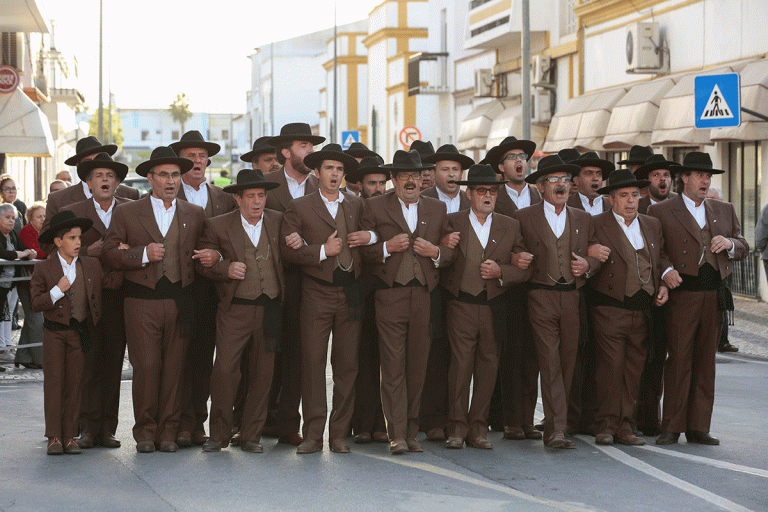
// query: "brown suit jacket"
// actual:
[[74, 194], [504, 239], [680, 234], [463, 199], [280, 198], [134, 224], [384, 216], [87, 209], [532, 221], [225, 234], [309, 217], [575, 202], [48, 273], [221, 202], [506, 206], [612, 278], [645, 202]]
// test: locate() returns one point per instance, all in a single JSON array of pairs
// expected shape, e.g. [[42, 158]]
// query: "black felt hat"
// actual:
[[194, 139], [368, 165], [569, 154], [406, 161], [481, 174], [622, 178], [590, 159], [163, 155], [360, 150], [250, 178], [65, 219], [425, 149], [331, 152], [89, 146], [637, 155], [296, 131], [552, 164], [697, 161], [102, 161], [260, 146], [496, 153], [448, 152], [654, 163]]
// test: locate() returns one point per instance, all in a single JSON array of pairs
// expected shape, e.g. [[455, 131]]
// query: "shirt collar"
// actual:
[[64, 262], [444, 197], [514, 193], [690, 202], [86, 190], [158, 203], [98, 206], [551, 208], [191, 188], [326, 201], [621, 220], [585, 200], [473, 218], [402, 203], [248, 225]]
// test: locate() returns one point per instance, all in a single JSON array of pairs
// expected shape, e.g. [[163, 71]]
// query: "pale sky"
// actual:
[[155, 49]]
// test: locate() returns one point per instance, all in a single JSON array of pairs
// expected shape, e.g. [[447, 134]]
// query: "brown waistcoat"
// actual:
[[260, 275], [410, 268], [705, 236], [344, 258], [170, 267], [558, 256], [638, 267], [78, 296], [471, 282]]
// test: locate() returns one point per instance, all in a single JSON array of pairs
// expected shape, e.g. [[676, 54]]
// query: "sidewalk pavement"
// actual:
[[750, 334]]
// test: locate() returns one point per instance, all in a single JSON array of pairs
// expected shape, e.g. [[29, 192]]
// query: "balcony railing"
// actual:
[[428, 73]]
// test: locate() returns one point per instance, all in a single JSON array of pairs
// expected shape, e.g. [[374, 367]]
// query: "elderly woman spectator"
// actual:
[[11, 248], [32, 331], [8, 193]]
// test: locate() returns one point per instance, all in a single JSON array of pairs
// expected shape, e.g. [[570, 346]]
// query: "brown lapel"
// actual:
[[711, 209], [184, 215], [497, 233], [684, 217], [395, 212], [237, 237], [147, 220], [575, 229], [322, 212], [421, 219], [614, 232]]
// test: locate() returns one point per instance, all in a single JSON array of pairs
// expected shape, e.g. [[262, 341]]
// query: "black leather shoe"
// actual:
[[212, 446], [727, 348], [667, 438], [86, 441], [701, 438]]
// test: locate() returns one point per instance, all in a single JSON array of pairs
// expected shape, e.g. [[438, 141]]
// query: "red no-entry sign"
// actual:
[[408, 135]]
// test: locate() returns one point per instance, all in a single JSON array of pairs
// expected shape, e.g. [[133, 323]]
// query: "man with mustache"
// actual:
[[557, 238], [477, 310], [405, 262], [262, 156], [703, 239], [449, 166], [295, 142], [198, 365], [658, 171]]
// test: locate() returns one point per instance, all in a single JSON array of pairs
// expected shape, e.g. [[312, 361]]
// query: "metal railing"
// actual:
[[428, 73], [745, 278]]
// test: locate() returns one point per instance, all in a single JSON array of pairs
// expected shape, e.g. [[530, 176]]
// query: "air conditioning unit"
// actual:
[[541, 106], [646, 50], [539, 69], [483, 83]]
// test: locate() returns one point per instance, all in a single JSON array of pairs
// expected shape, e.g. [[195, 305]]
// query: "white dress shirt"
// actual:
[[333, 209], [412, 219], [595, 209], [522, 199], [699, 214], [294, 187], [452, 204], [163, 217], [87, 190], [483, 231], [198, 197], [632, 231], [70, 272], [105, 216], [253, 231], [556, 222]]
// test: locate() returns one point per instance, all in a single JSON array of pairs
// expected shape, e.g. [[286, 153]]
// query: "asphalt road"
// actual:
[[515, 475]]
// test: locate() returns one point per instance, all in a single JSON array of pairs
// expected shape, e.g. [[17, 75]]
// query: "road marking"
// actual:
[[646, 468], [742, 359], [447, 473], [711, 462]]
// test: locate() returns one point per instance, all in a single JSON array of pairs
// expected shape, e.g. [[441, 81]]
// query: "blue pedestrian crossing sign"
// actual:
[[347, 138], [717, 100]]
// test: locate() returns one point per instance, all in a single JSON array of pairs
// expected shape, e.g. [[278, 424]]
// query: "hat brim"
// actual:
[[644, 170], [685, 168], [463, 160], [314, 159], [604, 165], [359, 174], [571, 169], [472, 183], [279, 139], [248, 157], [46, 237], [237, 187], [617, 186], [121, 170], [494, 155], [211, 147], [631, 162], [110, 149], [184, 164], [360, 153]]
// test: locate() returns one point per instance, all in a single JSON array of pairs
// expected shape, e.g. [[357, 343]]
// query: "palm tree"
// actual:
[[179, 110]]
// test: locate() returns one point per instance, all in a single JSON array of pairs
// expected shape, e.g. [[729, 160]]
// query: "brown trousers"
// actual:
[[693, 327], [368, 415], [402, 318], [434, 397], [62, 385], [648, 412], [104, 369], [156, 350], [554, 319], [474, 353], [239, 337], [621, 336], [324, 310]]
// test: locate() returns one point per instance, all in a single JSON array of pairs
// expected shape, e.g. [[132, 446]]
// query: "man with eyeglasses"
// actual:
[[557, 238], [160, 233], [405, 261], [517, 388], [478, 309]]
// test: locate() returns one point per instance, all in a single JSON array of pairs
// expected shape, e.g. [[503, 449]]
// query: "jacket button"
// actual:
[[685, 240], [578, 250], [610, 275], [682, 265], [685, 252], [612, 262]]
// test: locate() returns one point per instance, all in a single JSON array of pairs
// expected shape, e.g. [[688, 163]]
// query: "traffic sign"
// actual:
[[408, 135], [717, 100], [9, 79], [347, 138]]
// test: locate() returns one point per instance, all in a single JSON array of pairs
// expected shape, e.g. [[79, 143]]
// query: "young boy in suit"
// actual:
[[67, 288]]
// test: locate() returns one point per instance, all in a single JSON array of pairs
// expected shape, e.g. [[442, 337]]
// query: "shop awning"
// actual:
[[474, 129], [675, 120], [24, 129], [510, 122], [754, 96], [634, 115], [583, 120]]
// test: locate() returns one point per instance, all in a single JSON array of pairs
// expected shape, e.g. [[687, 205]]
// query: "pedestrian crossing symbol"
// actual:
[[717, 100], [347, 138]]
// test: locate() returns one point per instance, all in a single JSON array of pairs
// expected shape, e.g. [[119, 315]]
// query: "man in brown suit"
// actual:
[[86, 149], [103, 364], [703, 239], [161, 232], [198, 364], [477, 310], [557, 238], [358, 151], [250, 284], [621, 297], [657, 170], [449, 167], [405, 260], [296, 180], [517, 388], [594, 171], [326, 223]]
